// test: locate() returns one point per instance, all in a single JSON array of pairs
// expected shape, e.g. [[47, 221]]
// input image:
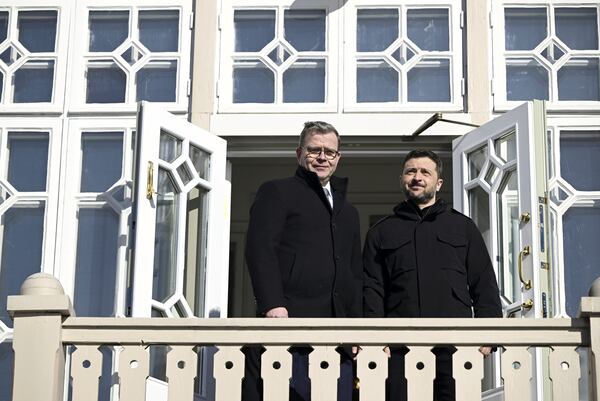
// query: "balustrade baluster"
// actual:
[[133, 371], [228, 371], [372, 371], [181, 371], [517, 373], [467, 369], [323, 371], [276, 371], [420, 372], [86, 370], [565, 373]]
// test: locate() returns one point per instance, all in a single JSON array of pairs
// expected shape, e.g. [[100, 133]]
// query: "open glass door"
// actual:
[[181, 219], [500, 182]]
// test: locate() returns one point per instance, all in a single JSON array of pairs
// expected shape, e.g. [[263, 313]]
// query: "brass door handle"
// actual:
[[524, 252], [150, 180]]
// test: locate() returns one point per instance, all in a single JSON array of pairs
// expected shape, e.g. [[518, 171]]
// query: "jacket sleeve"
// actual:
[[267, 221], [483, 286], [373, 284]]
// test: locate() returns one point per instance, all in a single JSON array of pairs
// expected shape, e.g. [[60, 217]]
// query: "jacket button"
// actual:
[[335, 293], [333, 226], [337, 257]]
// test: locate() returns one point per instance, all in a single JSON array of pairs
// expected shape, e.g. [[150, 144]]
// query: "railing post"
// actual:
[[590, 308], [38, 314]]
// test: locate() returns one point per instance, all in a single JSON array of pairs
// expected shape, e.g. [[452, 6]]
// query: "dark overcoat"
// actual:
[[428, 264], [301, 254]]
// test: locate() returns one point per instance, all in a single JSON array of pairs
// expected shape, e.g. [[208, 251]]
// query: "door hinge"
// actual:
[[492, 86], [189, 87], [192, 20], [217, 89], [462, 87], [491, 20], [545, 265], [543, 200], [462, 20], [219, 22]]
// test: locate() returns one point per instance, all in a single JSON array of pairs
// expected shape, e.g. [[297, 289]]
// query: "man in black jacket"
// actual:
[[427, 260], [303, 250]]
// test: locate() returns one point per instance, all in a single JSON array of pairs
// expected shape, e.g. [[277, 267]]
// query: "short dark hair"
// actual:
[[318, 127], [418, 153]]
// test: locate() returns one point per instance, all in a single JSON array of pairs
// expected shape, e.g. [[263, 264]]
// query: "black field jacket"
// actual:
[[301, 254], [430, 263]]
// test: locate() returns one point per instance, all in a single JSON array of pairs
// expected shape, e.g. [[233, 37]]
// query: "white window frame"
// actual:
[[499, 54], [454, 54], [50, 196], [59, 56], [73, 199], [227, 43], [80, 54], [556, 125]]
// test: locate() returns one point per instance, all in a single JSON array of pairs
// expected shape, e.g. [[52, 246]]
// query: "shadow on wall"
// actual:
[[315, 3]]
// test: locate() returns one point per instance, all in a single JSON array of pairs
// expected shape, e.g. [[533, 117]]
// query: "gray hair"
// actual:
[[317, 127]]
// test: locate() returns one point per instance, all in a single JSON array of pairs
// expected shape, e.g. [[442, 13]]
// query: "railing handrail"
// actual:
[[388, 331]]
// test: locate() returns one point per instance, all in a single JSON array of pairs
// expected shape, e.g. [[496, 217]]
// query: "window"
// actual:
[[549, 52], [404, 55], [574, 200], [31, 69], [128, 54], [278, 56]]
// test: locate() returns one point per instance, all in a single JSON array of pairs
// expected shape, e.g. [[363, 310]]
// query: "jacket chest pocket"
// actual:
[[399, 255], [452, 251]]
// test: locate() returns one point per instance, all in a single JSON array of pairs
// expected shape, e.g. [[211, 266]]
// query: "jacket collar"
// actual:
[[409, 210]]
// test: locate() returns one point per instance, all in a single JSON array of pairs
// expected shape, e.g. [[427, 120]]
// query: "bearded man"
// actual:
[[427, 260]]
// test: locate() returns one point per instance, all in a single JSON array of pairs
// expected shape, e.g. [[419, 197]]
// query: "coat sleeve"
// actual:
[[373, 278], [483, 286], [267, 221]]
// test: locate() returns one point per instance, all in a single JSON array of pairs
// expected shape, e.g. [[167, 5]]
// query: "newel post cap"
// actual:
[[41, 293], [595, 288]]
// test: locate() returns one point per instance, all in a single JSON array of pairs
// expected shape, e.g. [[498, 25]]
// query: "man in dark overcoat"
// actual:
[[303, 251], [427, 260]]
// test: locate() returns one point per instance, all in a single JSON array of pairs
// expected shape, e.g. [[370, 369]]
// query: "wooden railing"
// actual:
[[44, 326]]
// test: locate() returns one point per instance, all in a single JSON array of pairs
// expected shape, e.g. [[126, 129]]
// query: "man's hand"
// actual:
[[280, 311], [485, 351]]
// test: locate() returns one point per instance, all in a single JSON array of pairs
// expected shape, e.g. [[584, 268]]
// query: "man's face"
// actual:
[[321, 163], [420, 181]]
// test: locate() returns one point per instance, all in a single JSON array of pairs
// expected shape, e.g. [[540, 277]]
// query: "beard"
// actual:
[[422, 198]]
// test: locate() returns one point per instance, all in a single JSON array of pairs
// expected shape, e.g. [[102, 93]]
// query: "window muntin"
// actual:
[[280, 62], [29, 56], [133, 55], [402, 55], [548, 51]]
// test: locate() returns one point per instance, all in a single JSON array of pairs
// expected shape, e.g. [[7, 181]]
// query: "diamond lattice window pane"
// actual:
[[254, 29], [10, 55], [305, 29], [101, 160], [159, 30], [34, 82], [279, 55], [578, 80], [526, 79], [157, 81], [376, 29], [37, 30], [524, 28], [579, 159], [106, 83], [552, 53], [132, 55], [429, 81], [403, 54], [253, 82], [108, 29], [376, 81], [577, 27], [428, 28], [304, 82], [3, 26]]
